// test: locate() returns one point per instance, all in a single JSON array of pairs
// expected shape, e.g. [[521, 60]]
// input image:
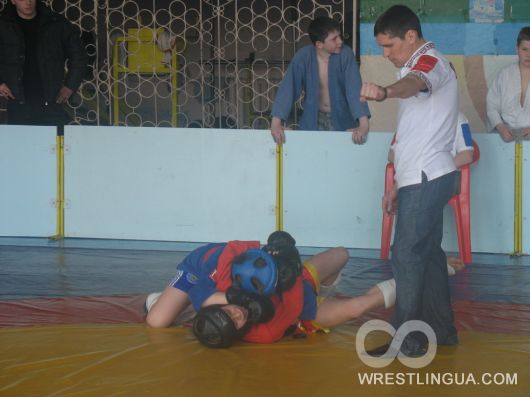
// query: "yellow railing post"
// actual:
[[279, 187], [518, 204], [59, 228]]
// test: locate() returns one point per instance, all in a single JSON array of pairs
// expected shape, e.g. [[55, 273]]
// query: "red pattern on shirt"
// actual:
[[425, 64]]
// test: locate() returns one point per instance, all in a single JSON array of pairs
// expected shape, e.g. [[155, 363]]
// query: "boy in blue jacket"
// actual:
[[328, 75]]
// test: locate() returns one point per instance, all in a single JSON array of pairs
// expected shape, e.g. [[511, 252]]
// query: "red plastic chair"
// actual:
[[388, 219], [459, 202]]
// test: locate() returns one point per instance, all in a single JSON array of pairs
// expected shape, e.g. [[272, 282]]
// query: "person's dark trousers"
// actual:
[[35, 113], [419, 264]]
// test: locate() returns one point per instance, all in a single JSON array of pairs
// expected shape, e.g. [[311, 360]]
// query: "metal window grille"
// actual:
[[190, 63]]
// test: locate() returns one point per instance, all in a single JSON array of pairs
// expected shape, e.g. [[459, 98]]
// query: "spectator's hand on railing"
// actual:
[[64, 94], [359, 134], [277, 131], [5, 91], [505, 133], [525, 133]]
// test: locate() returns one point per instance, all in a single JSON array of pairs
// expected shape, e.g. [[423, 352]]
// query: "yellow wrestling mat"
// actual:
[[133, 360]]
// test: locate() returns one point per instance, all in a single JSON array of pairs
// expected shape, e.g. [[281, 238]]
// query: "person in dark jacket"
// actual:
[[35, 46]]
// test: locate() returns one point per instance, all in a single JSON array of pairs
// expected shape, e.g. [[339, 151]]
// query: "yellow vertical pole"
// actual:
[[518, 205], [279, 187], [59, 229]]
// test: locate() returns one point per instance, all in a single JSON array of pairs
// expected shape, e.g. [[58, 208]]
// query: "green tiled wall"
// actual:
[[442, 10]]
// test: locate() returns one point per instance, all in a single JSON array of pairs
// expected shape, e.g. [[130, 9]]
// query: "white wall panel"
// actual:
[[169, 184], [492, 196], [333, 188], [28, 181], [212, 185]]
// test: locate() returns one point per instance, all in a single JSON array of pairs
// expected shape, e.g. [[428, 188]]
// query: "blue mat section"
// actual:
[[40, 272], [36, 272]]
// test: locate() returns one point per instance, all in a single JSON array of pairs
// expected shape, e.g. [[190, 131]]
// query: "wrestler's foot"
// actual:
[[388, 289], [454, 265], [329, 290]]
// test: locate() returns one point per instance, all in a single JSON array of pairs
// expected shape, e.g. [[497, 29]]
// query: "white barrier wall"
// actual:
[[169, 184], [214, 185], [333, 188], [492, 198], [28, 181]]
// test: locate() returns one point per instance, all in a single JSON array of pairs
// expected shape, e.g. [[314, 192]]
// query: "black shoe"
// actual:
[[449, 341], [379, 351], [416, 352]]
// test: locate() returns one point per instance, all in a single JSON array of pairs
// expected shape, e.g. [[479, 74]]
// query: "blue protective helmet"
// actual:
[[255, 271]]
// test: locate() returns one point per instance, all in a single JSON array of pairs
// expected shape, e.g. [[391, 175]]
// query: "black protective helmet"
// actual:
[[213, 327]]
